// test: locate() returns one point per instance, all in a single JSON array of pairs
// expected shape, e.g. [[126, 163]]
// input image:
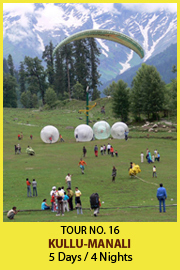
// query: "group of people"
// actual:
[[103, 149], [34, 186], [62, 201], [149, 158]]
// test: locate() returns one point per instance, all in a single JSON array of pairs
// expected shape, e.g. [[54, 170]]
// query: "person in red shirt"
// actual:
[[82, 163], [53, 204], [28, 183], [112, 151]]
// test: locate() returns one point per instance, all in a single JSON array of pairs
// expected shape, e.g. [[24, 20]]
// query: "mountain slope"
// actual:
[[162, 61], [30, 27]]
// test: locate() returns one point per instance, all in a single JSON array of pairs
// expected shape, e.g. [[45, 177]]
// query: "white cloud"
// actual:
[[18, 8], [151, 7]]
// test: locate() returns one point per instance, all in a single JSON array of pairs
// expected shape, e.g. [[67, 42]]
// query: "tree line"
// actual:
[[72, 69], [148, 96], [66, 75]]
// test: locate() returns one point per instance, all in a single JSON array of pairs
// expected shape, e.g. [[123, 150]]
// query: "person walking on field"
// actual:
[[81, 164], [161, 196], [154, 171], [114, 170], [84, 151]]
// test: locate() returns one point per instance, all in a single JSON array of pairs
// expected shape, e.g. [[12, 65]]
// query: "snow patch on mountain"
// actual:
[[126, 65], [27, 25]]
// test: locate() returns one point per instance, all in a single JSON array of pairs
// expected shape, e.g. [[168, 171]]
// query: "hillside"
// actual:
[[162, 61]]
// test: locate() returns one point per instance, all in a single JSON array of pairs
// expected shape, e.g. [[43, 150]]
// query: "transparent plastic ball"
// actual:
[[118, 130], [49, 134], [83, 133], [101, 130]]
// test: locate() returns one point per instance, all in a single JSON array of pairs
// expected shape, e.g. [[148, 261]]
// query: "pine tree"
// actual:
[[121, 101], [5, 66], [82, 64], [47, 56], [10, 65], [36, 76], [22, 78], [59, 81], [9, 91], [148, 92], [94, 62]]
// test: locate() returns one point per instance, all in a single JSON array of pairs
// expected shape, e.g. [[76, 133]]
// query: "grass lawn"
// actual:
[[126, 200]]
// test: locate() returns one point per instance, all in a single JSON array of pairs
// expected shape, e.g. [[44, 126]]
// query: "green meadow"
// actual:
[[126, 200]]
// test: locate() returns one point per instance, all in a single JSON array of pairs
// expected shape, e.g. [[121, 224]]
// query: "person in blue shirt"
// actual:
[[44, 205], [126, 135], [65, 202], [161, 196]]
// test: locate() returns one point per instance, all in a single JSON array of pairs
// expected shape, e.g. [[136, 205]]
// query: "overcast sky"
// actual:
[[22, 8]]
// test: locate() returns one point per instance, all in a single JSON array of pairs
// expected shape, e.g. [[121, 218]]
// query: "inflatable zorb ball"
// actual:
[[83, 133], [118, 129], [49, 134], [101, 130]]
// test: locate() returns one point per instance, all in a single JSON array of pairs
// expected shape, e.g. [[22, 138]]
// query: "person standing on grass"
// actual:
[[34, 185], [60, 197], [81, 164], [28, 183], [11, 213], [68, 179], [70, 201], [108, 148], [65, 202], [142, 157], [84, 151], [154, 171], [78, 200], [114, 170], [126, 135], [96, 151], [104, 148], [161, 196], [112, 151]]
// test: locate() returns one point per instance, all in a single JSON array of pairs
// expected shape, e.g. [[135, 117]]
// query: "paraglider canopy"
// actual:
[[104, 34]]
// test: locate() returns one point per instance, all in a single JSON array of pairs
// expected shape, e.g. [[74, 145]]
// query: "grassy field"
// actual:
[[126, 200]]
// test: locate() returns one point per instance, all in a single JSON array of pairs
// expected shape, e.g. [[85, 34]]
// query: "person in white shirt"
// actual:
[[108, 148], [68, 180], [60, 197], [11, 213], [102, 150], [142, 157], [53, 191]]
